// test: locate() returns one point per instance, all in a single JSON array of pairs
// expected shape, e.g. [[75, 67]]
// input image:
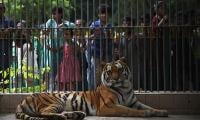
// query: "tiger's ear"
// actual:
[[123, 59], [103, 64]]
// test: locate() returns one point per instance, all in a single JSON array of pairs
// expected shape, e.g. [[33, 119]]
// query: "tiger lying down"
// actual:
[[115, 97]]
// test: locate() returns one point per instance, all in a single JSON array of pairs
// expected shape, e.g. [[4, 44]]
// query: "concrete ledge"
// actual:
[[11, 116], [175, 103]]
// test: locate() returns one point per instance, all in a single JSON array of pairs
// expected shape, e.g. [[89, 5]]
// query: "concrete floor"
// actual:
[[171, 117]]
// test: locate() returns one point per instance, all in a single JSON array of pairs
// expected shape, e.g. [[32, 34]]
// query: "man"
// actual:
[[5, 42], [100, 47], [80, 40]]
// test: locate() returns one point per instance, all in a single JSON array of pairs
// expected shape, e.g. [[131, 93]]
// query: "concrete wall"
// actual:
[[175, 103]]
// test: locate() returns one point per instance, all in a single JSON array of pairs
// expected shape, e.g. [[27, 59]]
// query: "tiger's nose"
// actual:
[[115, 76]]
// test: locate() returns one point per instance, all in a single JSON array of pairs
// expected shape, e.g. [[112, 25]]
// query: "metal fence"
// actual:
[[56, 45]]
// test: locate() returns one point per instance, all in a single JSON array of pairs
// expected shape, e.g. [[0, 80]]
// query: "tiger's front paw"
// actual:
[[75, 115], [148, 113], [163, 113], [158, 113]]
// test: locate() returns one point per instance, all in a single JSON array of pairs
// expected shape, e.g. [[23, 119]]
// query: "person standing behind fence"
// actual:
[[30, 64], [52, 54], [99, 48], [17, 55], [69, 75], [126, 36], [79, 37], [5, 43], [158, 21]]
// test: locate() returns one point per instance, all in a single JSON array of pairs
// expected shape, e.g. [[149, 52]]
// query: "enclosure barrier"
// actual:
[[58, 45], [167, 61]]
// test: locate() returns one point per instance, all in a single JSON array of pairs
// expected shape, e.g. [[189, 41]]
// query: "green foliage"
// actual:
[[38, 88], [25, 70], [27, 74], [34, 12]]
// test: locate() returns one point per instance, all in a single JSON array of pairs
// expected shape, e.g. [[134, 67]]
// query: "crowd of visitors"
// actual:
[[74, 55]]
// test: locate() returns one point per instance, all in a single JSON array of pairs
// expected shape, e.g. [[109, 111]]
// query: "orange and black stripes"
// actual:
[[115, 90]]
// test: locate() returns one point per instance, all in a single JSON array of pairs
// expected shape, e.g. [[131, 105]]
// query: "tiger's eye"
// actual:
[[120, 70], [109, 72]]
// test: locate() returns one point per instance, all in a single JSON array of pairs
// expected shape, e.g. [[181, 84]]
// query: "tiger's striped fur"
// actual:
[[115, 97]]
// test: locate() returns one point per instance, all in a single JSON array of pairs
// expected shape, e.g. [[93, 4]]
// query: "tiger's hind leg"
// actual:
[[152, 111], [53, 112], [74, 115]]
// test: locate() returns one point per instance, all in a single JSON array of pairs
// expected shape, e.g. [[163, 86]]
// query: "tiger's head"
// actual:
[[116, 75]]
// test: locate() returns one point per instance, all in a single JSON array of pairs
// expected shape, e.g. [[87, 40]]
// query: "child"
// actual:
[[69, 74]]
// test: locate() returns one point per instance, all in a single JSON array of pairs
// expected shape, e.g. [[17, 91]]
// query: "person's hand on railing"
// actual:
[[49, 47], [163, 21], [95, 32], [5, 32], [46, 31], [61, 25], [54, 49], [8, 30]]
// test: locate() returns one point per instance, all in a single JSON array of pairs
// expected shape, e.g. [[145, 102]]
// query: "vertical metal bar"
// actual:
[[164, 61], [150, 47], [106, 30], [32, 42], [38, 14], [124, 8], [196, 37], [16, 79], [88, 12], [132, 44], [89, 49], [138, 51], [163, 78], [113, 12], [157, 58], [10, 55], [48, 58], [82, 54], [197, 76], [45, 58], [171, 50], [26, 47], [177, 30], [157, 61], [39, 52], [22, 50], [101, 53], [144, 45], [190, 80], [150, 13], [118, 15], [75, 41], [183, 50], [113, 30]]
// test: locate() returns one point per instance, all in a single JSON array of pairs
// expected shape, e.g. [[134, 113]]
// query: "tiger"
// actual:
[[114, 97]]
